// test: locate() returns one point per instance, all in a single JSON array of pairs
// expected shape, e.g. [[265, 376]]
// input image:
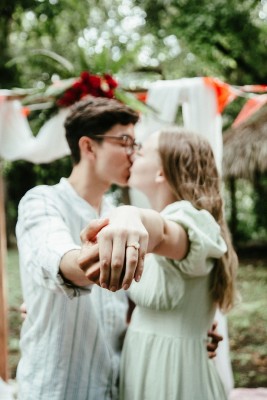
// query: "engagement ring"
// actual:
[[136, 245]]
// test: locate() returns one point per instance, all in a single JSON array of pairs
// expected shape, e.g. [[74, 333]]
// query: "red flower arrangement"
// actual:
[[63, 93], [95, 85]]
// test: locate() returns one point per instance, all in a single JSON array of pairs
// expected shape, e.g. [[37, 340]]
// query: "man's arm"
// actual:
[[81, 267]]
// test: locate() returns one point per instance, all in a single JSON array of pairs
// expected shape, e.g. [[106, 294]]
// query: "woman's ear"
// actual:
[[160, 177]]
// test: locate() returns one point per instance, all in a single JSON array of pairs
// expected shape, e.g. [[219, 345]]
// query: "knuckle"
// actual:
[[116, 265], [104, 265], [133, 260]]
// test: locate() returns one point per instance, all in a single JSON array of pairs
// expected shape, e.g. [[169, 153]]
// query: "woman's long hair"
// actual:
[[190, 169]]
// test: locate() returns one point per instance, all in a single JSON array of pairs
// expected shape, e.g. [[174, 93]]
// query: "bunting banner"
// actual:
[[225, 93], [250, 107]]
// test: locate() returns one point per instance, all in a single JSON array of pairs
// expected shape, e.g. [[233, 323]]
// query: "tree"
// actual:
[[226, 37]]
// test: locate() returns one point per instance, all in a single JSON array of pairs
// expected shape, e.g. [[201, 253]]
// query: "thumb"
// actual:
[[88, 234]]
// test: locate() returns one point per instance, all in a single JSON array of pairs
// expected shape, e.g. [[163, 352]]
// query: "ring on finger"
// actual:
[[135, 245]]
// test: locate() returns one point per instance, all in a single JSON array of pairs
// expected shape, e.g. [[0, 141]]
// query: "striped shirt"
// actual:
[[71, 339]]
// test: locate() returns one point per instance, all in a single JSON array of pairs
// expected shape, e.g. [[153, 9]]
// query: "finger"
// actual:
[[23, 311], [93, 273], [131, 262], [89, 255], [90, 232], [22, 308], [211, 354], [141, 258], [211, 347], [117, 261], [135, 255], [105, 252], [215, 337], [214, 326]]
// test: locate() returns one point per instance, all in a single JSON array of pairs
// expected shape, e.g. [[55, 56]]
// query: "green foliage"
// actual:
[[251, 223], [20, 176], [216, 33], [248, 327]]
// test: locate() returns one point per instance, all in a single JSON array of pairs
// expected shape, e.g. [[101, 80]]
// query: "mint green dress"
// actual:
[[164, 355]]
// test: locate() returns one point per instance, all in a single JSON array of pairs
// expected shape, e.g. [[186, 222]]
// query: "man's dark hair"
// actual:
[[93, 116]]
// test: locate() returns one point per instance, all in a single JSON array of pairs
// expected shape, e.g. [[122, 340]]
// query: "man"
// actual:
[[72, 336]]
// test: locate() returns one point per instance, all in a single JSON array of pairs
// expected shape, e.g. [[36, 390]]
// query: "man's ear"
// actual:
[[160, 177], [87, 146]]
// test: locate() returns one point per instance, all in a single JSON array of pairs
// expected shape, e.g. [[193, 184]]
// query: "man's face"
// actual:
[[113, 159]]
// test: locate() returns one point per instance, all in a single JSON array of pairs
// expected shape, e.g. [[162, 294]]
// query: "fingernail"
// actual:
[[113, 288], [104, 285], [138, 278], [125, 286]]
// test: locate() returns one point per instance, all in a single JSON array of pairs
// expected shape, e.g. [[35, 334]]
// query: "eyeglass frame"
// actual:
[[131, 147]]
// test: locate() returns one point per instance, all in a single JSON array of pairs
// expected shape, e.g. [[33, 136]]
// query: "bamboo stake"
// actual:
[[3, 296]]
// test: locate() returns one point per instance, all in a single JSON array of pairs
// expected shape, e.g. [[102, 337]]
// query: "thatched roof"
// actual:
[[245, 147]]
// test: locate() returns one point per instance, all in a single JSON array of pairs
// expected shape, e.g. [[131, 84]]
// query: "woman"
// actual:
[[190, 273]]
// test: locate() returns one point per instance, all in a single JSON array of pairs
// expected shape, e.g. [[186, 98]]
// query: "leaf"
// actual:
[[43, 52], [59, 87], [133, 102]]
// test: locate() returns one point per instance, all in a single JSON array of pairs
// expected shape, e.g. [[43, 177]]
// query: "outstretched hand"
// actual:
[[121, 245], [122, 249]]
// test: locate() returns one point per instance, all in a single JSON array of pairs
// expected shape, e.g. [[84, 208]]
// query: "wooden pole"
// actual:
[[3, 296]]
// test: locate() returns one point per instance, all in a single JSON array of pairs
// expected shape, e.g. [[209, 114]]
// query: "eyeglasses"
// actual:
[[125, 140]]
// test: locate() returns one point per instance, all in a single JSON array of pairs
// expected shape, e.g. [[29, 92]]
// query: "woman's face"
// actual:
[[146, 167]]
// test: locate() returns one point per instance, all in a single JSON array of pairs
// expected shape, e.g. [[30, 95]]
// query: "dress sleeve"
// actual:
[[161, 286], [206, 242], [43, 238]]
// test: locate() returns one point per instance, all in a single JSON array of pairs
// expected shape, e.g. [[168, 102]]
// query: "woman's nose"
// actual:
[[132, 157]]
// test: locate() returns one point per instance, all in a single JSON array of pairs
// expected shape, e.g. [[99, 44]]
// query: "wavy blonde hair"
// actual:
[[189, 166]]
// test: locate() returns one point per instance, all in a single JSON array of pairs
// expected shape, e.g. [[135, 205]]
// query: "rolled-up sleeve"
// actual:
[[43, 238]]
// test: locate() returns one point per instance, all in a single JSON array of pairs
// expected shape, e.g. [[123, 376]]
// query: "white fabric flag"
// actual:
[[17, 141]]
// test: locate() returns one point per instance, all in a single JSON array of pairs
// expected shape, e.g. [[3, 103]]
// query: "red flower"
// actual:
[[85, 76], [94, 81], [109, 94], [98, 86], [111, 81], [69, 97]]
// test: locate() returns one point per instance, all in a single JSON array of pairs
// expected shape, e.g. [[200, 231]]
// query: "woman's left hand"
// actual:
[[122, 249]]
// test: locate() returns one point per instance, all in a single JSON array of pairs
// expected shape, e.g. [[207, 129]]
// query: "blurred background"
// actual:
[[138, 42]]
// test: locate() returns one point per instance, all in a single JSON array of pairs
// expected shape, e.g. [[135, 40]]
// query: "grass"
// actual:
[[248, 327], [247, 323]]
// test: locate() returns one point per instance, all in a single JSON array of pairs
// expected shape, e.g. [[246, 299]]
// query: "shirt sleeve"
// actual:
[[206, 242], [43, 238]]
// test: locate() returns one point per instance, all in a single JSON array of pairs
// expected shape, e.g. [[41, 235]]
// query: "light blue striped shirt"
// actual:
[[71, 339]]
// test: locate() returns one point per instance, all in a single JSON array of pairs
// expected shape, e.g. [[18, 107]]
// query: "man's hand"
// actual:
[[214, 342], [88, 259], [23, 311], [75, 264]]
